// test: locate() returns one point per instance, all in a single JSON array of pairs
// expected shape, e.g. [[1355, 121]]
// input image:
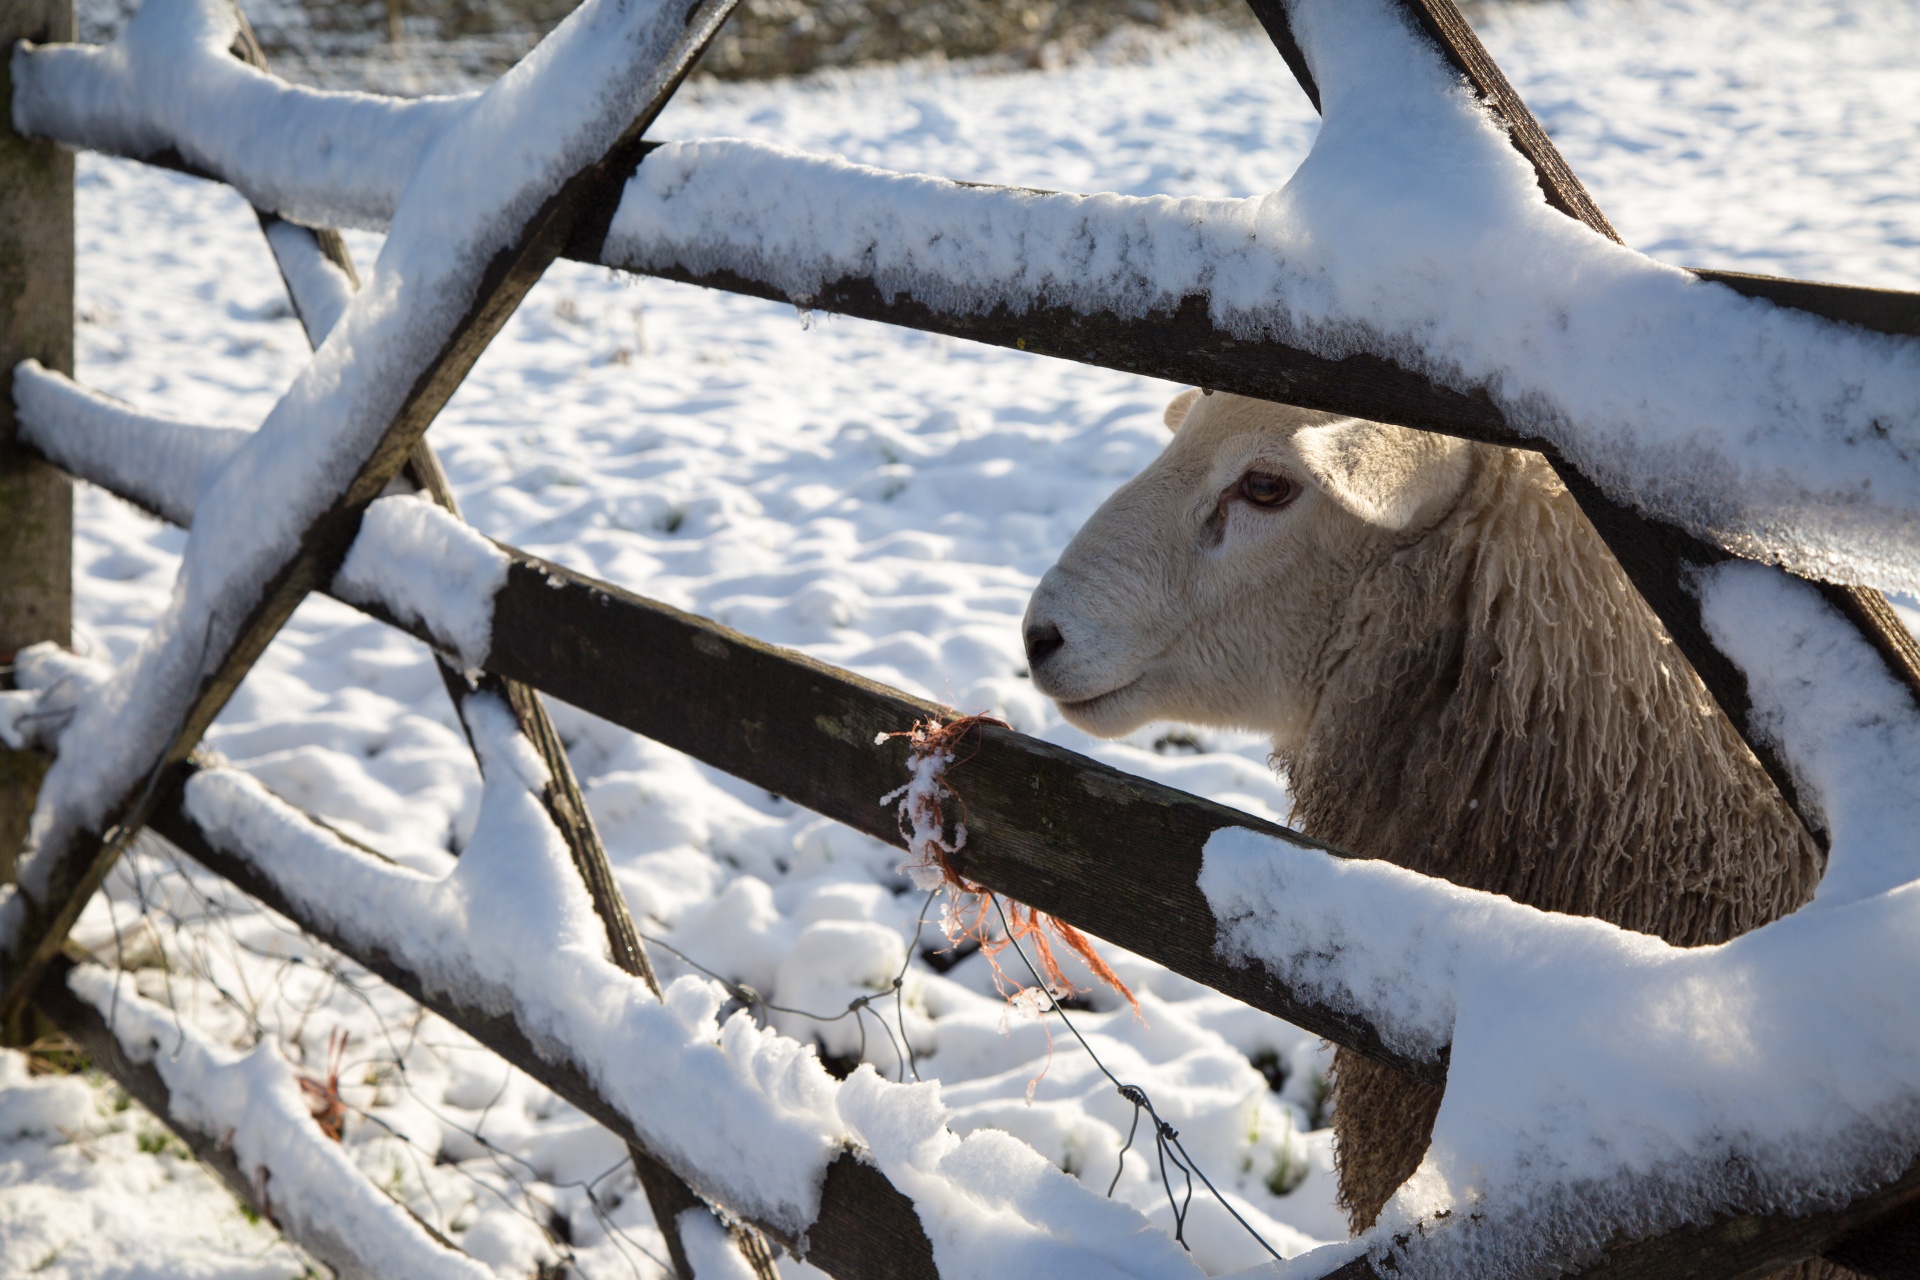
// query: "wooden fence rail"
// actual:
[[1186, 345], [1113, 854]]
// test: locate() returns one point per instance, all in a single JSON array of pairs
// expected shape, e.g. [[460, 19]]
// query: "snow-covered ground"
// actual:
[[883, 500]]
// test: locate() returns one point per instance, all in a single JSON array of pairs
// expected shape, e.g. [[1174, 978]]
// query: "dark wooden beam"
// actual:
[[78, 867], [866, 1229], [1106, 851], [36, 321], [1109, 852]]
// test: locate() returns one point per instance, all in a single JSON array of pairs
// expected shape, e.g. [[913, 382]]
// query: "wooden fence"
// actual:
[[1110, 853]]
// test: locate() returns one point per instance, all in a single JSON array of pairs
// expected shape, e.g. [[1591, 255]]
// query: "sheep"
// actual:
[[1455, 674]]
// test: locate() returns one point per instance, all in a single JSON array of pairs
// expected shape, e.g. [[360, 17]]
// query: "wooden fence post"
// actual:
[[36, 319]]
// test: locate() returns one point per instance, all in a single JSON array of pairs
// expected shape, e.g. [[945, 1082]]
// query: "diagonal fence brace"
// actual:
[[1660, 559], [66, 871], [305, 256]]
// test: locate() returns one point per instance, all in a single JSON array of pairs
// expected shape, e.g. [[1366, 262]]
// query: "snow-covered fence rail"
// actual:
[[1151, 285], [1165, 287], [1117, 854]]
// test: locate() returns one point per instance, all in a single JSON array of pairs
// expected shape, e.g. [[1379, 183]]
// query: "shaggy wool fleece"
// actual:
[[1507, 713]]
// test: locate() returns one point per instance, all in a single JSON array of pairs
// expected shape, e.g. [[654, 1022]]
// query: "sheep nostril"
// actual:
[[1043, 639]]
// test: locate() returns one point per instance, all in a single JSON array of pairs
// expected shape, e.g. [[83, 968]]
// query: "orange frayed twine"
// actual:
[[969, 906], [323, 1099]]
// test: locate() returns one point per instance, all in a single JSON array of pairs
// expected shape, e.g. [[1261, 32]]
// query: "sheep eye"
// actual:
[[1266, 489]]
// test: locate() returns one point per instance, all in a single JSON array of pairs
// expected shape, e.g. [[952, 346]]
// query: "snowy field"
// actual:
[[883, 500]]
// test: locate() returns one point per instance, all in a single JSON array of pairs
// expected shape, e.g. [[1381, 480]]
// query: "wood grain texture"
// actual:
[[78, 869], [1109, 852], [866, 1229], [88, 1030], [36, 321]]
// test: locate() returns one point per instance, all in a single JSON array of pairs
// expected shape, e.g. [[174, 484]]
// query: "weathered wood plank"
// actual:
[[77, 869], [1109, 852], [866, 1230], [36, 321]]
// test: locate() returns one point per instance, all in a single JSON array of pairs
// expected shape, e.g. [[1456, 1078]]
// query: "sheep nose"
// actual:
[[1043, 640]]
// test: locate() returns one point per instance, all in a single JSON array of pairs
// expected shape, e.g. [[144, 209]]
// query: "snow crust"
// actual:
[[1414, 229], [510, 930], [423, 564], [426, 565], [168, 81], [475, 185], [253, 1102], [879, 498], [158, 462]]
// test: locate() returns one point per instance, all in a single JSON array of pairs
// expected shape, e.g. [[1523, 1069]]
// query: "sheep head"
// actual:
[[1211, 588]]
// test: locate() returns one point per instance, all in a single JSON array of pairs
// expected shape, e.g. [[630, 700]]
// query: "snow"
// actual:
[[329, 159], [1411, 229], [253, 1103], [160, 463], [90, 1186], [477, 183], [884, 501], [1849, 733], [510, 930], [320, 290], [1601, 1080], [426, 566]]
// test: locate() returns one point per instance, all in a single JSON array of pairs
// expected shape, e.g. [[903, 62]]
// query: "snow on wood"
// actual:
[[1850, 734], [156, 462], [470, 197], [312, 1188], [1412, 230], [320, 290], [745, 1113], [1602, 1081], [426, 567], [511, 930], [169, 83]]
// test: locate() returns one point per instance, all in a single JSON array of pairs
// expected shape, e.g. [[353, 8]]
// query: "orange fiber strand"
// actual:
[[924, 824]]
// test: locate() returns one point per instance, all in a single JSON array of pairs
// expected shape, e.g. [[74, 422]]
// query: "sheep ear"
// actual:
[[1389, 476], [1178, 409]]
